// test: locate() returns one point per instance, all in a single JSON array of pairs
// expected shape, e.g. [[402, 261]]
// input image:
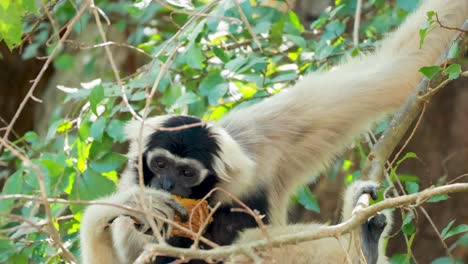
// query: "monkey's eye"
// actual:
[[160, 162], [187, 172]]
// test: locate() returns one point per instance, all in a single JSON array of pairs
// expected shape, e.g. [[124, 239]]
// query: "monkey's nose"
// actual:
[[167, 184]]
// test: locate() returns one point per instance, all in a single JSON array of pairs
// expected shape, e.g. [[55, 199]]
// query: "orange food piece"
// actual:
[[198, 213]]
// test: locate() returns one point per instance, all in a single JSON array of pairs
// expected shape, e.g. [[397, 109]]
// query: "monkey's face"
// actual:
[[180, 160], [171, 173]]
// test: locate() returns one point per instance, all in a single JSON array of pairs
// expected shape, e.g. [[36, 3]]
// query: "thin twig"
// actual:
[[447, 27], [357, 22], [95, 10], [204, 224], [413, 131], [428, 217], [247, 25], [113, 43]]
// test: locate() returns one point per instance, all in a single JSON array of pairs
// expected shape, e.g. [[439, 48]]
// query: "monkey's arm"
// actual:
[[106, 232], [300, 130]]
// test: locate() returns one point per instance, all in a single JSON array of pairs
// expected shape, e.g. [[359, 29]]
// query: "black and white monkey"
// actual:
[[261, 153]]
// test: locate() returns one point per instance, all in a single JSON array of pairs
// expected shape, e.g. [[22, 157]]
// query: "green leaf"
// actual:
[[64, 126], [298, 40], [408, 155], [456, 230], [407, 5], [214, 87], [446, 260], [288, 76], [64, 62], [438, 198], [185, 99], [412, 187], [462, 241], [221, 54], [194, 57], [82, 151], [334, 29], [90, 186], [97, 128], [453, 71], [11, 14], [307, 199], [29, 6], [407, 226], [429, 71], [111, 161], [236, 63], [13, 185], [115, 130], [447, 228], [55, 168], [294, 20], [423, 33], [95, 97], [399, 259]]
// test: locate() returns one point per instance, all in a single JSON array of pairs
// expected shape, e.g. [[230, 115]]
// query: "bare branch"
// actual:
[[357, 22], [358, 218]]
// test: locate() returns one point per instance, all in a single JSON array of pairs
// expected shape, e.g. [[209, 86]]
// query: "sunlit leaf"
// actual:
[[430, 71], [453, 71], [307, 199], [455, 231], [407, 226], [214, 87], [412, 187], [95, 97]]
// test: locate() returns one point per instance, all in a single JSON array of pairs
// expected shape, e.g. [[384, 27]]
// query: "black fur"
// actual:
[[197, 142], [227, 225], [370, 235]]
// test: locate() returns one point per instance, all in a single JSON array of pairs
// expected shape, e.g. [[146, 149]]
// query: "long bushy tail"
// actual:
[[301, 129]]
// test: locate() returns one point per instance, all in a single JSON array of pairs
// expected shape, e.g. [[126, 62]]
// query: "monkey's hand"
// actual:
[[102, 221], [371, 231]]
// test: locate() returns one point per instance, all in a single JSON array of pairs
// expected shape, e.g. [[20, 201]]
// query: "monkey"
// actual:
[[262, 152]]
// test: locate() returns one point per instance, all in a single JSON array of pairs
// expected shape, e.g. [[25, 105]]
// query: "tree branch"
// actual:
[[358, 218]]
